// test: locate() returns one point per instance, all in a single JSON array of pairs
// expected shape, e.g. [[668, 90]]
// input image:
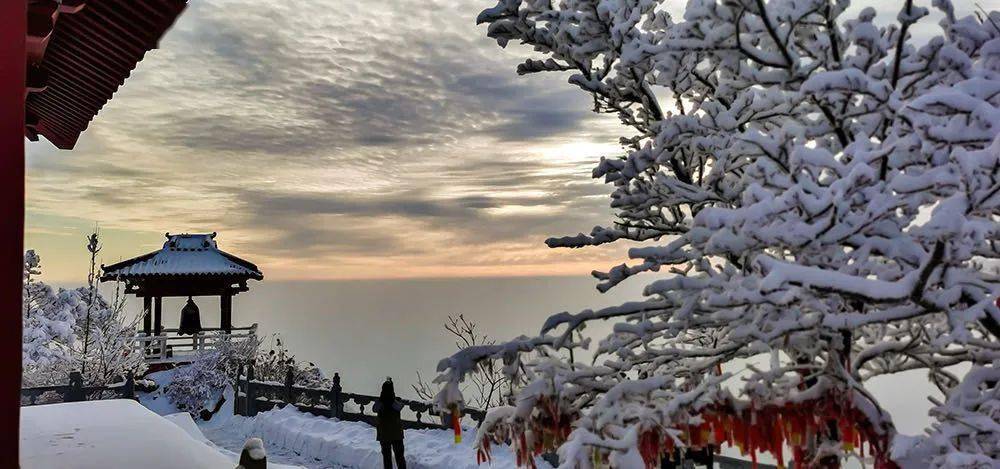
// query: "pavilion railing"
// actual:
[[170, 347], [254, 396], [75, 391]]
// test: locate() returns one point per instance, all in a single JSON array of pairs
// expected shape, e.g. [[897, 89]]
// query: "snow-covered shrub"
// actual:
[[811, 188], [198, 385], [273, 364]]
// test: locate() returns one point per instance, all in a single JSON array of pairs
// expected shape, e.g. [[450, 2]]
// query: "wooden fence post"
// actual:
[[251, 402], [336, 398], [419, 410], [237, 403], [129, 389], [289, 382], [75, 392]]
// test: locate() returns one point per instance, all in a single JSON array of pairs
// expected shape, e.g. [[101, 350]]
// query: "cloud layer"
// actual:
[[339, 139]]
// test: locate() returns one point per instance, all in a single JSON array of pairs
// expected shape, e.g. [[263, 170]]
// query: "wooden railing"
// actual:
[[254, 396], [171, 347], [75, 391]]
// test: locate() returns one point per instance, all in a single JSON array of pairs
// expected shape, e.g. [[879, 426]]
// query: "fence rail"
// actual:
[[254, 396], [171, 347], [75, 391]]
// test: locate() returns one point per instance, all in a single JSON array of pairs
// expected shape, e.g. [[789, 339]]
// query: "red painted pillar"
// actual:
[[13, 28]]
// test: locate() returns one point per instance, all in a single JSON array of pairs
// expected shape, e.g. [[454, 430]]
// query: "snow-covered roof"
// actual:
[[184, 254], [115, 434]]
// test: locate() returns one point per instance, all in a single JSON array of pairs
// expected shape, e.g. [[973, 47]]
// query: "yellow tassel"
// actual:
[[456, 424]]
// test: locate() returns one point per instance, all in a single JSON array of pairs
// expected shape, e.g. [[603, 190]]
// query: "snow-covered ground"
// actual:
[[294, 437], [302, 439]]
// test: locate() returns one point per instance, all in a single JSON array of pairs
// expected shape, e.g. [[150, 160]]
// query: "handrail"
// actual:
[[169, 346], [215, 329], [253, 395], [75, 391]]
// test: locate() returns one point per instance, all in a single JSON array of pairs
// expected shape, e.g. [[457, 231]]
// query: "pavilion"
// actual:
[[188, 265]]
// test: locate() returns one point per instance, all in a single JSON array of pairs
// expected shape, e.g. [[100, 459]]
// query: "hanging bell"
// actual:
[[190, 318]]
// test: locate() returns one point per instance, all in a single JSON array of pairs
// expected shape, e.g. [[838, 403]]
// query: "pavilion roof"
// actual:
[[79, 53], [183, 255]]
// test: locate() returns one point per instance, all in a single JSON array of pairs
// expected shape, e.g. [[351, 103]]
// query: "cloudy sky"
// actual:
[[324, 140], [332, 139]]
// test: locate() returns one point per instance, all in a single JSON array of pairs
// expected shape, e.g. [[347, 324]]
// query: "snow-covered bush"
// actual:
[[810, 188], [198, 385], [273, 364]]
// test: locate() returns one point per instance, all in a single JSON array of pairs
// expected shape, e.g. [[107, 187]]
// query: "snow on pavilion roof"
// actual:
[[184, 254]]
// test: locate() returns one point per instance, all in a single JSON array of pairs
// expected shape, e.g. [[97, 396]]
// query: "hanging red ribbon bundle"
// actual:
[[650, 448], [757, 428], [770, 428], [483, 454]]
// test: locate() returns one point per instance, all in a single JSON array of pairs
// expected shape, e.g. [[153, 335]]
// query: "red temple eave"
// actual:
[[79, 52], [61, 62]]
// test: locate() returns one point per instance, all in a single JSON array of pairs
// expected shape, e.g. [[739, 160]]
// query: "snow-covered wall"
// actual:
[[109, 434]]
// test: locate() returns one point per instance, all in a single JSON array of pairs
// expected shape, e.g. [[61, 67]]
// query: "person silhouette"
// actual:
[[389, 426]]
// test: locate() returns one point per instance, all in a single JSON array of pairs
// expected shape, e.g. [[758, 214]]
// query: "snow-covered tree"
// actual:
[[112, 351], [107, 349], [48, 326], [968, 431], [69, 330], [811, 189]]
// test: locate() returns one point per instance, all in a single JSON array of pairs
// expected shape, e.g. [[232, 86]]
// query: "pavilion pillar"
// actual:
[[13, 29], [157, 315], [147, 315], [226, 312]]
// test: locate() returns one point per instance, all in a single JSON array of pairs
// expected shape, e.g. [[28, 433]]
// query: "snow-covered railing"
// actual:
[[172, 347], [75, 391], [255, 396]]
